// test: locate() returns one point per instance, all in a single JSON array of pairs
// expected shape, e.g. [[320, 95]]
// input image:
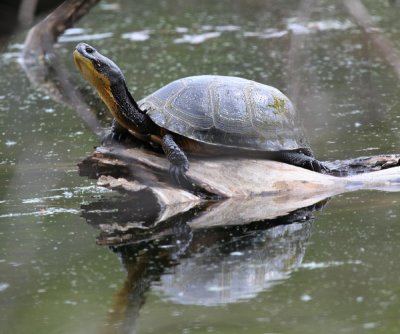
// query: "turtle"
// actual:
[[210, 115]]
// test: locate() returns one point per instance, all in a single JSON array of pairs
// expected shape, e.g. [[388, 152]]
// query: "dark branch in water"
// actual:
[[382, 44], [43, 67], [26, 12], [295, 61]]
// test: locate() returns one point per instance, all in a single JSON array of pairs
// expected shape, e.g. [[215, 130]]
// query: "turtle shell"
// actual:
[[227, 112]]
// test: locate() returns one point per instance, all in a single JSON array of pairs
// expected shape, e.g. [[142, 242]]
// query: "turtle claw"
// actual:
[[308, 164], [316, 166], [178, 174], [324, 169]]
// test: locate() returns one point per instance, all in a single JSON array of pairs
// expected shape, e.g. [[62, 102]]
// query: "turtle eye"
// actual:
[[89, 50]]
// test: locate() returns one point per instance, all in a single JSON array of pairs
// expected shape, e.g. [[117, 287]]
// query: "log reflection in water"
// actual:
[[197, 264]]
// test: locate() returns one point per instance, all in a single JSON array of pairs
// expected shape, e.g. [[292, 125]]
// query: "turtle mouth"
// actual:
[[84, 55], [85, 63], [85, 66], [81, 61]]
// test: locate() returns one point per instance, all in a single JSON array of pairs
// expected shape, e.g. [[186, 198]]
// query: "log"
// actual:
[[135, 169]]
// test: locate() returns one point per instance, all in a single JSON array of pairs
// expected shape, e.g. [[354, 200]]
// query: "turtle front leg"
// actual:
[[302, 160], [179, 162]]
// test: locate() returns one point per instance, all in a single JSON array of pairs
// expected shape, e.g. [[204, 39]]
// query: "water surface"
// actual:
[[337, 272]]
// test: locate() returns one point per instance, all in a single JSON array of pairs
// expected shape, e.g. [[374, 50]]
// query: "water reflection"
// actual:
[[346, 91], [236, 264], [194, 264]]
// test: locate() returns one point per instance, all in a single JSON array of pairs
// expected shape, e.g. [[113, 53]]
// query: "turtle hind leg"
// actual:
[[117, 133], [179, 162], [301, 160]]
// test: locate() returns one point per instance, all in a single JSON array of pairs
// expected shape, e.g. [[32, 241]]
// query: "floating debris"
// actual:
[[74, 31], [321, 265], [84, 37], [43, 212], [10, 143], [110, 6], [197, 39], [137, 36], [301, 28], [229, 27], [181, 30], [268, 34], [305, 298]]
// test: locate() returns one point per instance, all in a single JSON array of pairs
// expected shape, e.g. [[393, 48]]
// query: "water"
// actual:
[[337, 272]]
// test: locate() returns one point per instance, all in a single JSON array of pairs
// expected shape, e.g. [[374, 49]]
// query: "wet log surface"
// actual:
[[134, 169]]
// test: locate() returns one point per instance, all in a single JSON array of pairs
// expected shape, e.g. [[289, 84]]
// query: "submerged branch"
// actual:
[[43, 67], [382, 44]]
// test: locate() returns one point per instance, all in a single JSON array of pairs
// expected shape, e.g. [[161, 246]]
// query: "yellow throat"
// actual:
[[99, 81]]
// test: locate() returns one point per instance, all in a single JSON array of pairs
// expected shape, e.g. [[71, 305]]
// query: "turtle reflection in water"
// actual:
[[207, 114]]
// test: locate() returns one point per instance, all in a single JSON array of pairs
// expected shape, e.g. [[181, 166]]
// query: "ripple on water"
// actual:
[[42, 212], [63, 194], [328, 264]]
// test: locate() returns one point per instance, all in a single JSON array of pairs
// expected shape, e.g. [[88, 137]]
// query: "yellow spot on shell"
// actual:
[[278, 105]]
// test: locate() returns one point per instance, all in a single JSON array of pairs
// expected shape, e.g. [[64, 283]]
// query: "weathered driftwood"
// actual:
[[133, 169]]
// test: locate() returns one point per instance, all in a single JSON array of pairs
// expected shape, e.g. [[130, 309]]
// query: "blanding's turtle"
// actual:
[[206, 114]]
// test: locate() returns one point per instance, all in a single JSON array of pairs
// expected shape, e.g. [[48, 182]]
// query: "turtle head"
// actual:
[[107, 78], [100, 71]]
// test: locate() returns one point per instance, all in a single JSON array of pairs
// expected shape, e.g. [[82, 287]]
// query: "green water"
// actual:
[[338, 273]]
